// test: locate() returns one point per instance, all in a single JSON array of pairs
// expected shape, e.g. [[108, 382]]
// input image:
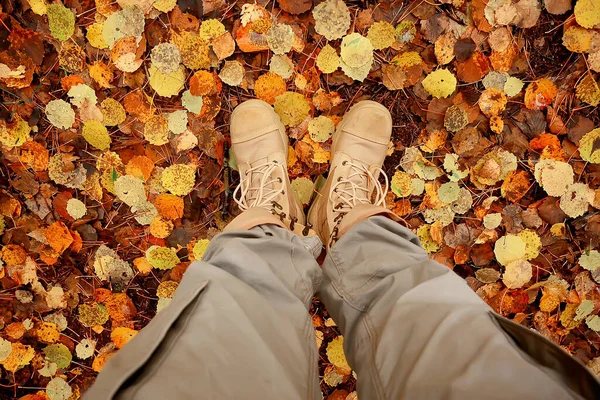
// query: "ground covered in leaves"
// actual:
[[115, 171]]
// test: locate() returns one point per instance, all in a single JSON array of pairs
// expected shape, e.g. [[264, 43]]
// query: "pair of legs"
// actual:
[[238, 326]]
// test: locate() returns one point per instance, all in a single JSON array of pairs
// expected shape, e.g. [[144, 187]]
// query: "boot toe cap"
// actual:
[[252, 119], [369, 120]]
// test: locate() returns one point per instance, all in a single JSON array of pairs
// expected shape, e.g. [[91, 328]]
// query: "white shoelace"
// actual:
[[257, 188], [346, 193]]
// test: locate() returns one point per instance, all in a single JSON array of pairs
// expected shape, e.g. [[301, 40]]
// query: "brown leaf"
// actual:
[[295, 6]]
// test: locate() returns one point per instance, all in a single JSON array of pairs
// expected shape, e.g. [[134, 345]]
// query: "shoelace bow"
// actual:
[[347, 193], [257, 188]]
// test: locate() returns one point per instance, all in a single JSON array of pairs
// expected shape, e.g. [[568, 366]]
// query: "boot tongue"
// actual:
[[256, 178], [357, 182]]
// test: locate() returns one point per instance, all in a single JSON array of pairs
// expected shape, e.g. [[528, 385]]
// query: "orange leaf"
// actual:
[[58, 236], [59, 202], [169, 206], [121, 309], [69, 81], [77, 242], [140, 166], [205, 83], [13, 254], [121, 335], [473, 69], [540, 94], [545, 139]]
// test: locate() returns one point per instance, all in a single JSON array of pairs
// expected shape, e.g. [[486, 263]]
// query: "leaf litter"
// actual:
[[114, 157]]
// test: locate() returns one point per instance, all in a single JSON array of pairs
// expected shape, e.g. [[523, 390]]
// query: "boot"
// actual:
[[353, 191], [260, 145]]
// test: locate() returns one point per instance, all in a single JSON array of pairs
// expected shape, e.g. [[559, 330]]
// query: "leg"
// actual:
[[414, 329], [238, 326]]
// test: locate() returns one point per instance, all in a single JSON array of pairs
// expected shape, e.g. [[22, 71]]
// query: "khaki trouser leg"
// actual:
[[413, 329], [237, 327]]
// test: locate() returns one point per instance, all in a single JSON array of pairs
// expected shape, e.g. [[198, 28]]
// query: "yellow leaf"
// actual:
[[282, 66], [165, 5], [113, 112], [586, 13], [19, 357], [162, 257], [194, 51], [179, 179], [280, 38], [101, 73], [440, 83], [382, 35], [588, 149], [156, 130], [94, 35], [427, 242], [577, 39], [444, 48], [130, 190], [335, 353], [199, 248], [588, 91], [513, 86], [142, 265], [303, 187], [210, 29], [192, 103], [61, 21], [60, 114], [166, 289], [509, 248], [166, 85], [356, 51], [165, 57], [533, 243], [76, 208], [321, 128], [328, 60], [293, 108], [96, 134], [39, 7], [401, 184], [48, 332]]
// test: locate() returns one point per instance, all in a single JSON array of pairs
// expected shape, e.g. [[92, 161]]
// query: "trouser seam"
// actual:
[[372, 336], [302, 279], [311, 359]]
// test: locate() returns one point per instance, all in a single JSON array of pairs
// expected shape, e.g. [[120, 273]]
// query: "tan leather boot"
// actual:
[[260, 146], [352, 191]]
